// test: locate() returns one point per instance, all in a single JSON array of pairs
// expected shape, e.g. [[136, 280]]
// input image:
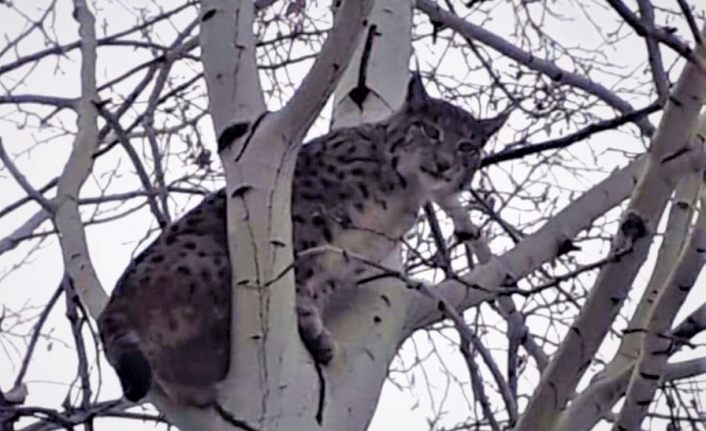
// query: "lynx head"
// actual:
[[444, 141]]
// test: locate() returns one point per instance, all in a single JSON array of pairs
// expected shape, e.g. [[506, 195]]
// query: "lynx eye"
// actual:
[[466, 147], [431, 131]]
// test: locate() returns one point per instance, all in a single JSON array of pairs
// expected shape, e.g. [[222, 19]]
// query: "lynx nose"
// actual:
[[442, 165]]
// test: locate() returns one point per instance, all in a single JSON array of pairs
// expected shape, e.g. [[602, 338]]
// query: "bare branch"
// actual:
[[515, 153], [685, 369], [464, 228], [680, 221], [692, 325], [637, 229], [659, 75], [618, 370], [59, 102], [234, 90], [686, 10], [76, 323], [152, 192], [657, 340], [36, 332], [548, 68], [22, 181], [17, 204], [650, 32], [595, 403], [62, 49], [302, 109], [67, 218], [52, 420], [533, 250], [13, 239]]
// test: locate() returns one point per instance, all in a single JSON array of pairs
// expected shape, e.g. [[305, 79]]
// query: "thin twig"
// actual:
[[686, 10], [13, 206], [657, 33], [442, 252], [22, 181], [659, 75], [36, 332], [510, 50], [563, 142], [72, 307], [124, 140], [63, 49]]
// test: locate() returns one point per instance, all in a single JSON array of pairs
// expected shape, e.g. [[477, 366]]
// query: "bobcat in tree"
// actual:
[[357, 189]]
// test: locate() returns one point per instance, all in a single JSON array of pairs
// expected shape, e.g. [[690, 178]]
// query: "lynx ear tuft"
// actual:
[[491, 125], [417, 97]]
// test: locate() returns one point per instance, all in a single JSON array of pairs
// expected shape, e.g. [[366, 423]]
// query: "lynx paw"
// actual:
[[323, 348], [317, 339]]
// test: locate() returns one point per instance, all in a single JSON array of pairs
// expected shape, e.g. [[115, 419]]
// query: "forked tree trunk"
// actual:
[[672, 156], [272, 384]]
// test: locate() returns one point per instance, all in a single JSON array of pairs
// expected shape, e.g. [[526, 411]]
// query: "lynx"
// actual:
[[356, 189]]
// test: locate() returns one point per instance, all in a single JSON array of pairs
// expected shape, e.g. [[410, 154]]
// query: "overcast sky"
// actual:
[[25, 285]]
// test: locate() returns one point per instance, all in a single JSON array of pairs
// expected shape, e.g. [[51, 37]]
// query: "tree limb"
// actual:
[[668, 161], [533, 250], [67, 218], [318, 85], [562, 76], [657, 340], [228, 54]]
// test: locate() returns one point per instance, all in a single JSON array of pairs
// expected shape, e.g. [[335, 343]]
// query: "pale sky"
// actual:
[[27, 286]]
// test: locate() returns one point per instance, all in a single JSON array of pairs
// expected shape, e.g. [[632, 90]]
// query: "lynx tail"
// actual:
[[124, 353], [134, 372]]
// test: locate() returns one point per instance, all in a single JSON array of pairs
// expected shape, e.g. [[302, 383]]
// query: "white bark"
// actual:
[[228, 54], [531, 252], [271, 384], [675, 236], [386, 68], [667, 163], [693, 324], [595, 403], [609, 386], [67, 218], [261, 321], [685, 369], [13, 239], [370, 333], [656, 344], [371, 327]]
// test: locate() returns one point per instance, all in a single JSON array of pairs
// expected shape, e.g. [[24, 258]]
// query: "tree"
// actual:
[[556, 328]]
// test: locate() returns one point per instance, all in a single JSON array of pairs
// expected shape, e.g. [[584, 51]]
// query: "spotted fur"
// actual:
[[357, 189]]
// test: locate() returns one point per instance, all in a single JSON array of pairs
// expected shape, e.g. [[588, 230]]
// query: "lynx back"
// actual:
[[357, 190]]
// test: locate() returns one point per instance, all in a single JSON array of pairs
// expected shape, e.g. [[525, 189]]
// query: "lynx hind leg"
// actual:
[[311, 300], [317, 339], [124, 353]]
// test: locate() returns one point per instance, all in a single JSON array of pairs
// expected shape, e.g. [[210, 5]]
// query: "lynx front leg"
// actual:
[[311, 300], [464, 228]]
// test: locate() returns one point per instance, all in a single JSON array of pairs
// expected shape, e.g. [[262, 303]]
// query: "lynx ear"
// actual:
[[491, 125], [417, 97]]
